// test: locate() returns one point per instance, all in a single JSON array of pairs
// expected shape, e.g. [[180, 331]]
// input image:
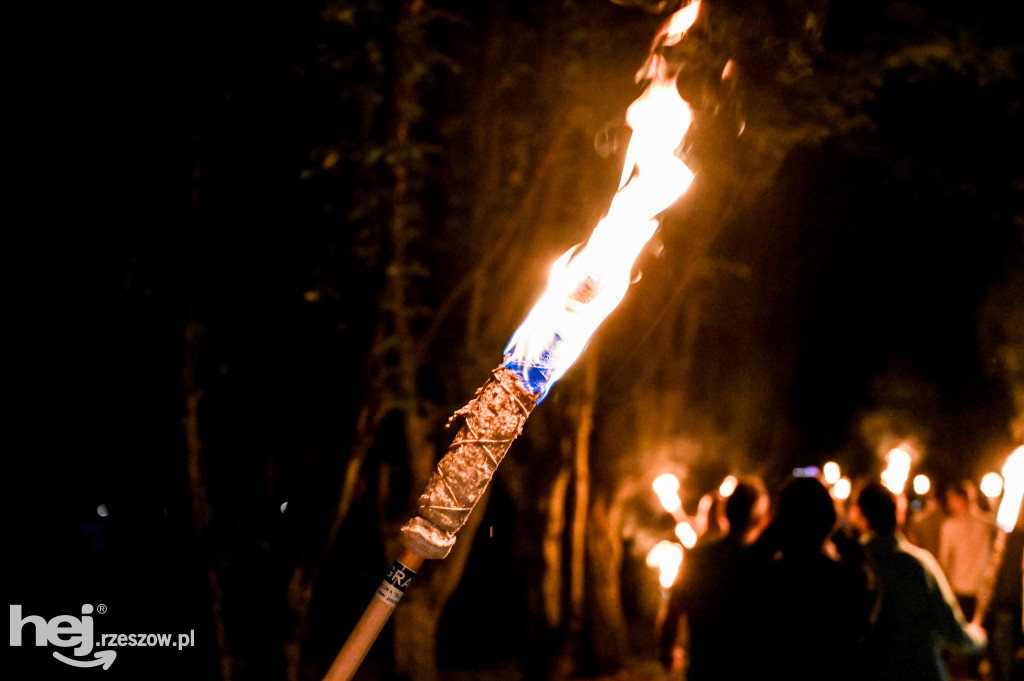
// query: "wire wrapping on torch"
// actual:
[[490, 423]]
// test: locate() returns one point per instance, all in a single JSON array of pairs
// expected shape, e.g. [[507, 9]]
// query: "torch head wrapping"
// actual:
[[489, 424]]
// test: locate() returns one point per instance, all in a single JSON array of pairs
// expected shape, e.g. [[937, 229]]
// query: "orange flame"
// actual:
[[897, 470], [1013, 491], [666, 486], [590, 280], [679, 23], [666, 557], [687, 535]]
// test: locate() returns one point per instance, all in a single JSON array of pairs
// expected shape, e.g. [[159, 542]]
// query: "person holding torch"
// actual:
[[916, 614], [707, 592], [965, 542]]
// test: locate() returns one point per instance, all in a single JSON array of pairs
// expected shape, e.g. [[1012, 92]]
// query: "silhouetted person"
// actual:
[[916, 613], [810, 609], [707, 592]]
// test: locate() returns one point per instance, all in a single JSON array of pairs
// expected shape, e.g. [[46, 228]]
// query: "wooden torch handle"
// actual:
[[368, 627]]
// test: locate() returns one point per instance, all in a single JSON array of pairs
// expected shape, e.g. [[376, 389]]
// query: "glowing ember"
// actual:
[[921, 485], [687, 535], [991, 485], [841, 490], [667, 488], [894, 477], [590, 280], [728, 486], [831, 472], [1013, 491], [666, 557]]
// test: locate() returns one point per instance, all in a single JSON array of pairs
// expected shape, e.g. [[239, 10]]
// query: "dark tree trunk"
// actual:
[[198, 492], [608, 631]]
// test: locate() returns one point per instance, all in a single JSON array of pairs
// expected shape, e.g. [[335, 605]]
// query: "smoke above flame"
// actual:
[[590, 279]]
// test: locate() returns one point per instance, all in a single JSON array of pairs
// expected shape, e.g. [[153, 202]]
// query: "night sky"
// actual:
[[170, 169]]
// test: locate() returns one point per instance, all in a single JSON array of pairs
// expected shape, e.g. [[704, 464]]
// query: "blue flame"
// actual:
[[535, 376]]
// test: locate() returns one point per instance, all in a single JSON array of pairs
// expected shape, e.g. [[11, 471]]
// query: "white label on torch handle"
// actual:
[[396, 581]]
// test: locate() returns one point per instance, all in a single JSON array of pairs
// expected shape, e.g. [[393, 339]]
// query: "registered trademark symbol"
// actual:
[[101, 608]]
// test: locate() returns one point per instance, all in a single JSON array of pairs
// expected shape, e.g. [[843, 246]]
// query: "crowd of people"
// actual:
[[804, 587]]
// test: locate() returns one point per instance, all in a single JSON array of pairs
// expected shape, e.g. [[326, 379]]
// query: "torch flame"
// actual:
[[1013, 491], [666, 486], [590, 280], [679, 23], [895, 475], [666, 557], [728, 486], [687, 535], [991, 485], [831, 472], [841, 490]]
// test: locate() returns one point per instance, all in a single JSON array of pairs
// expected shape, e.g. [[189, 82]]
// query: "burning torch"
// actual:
[[1006, 519], [666, 557], [897, 469], [585, 285], [666, 486]]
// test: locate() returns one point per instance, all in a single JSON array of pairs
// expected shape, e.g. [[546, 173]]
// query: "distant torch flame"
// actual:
[[1013, 491], [991, 485], [678, 24], [895, 475], [666, 486], [590, 280], [666, 557], [728, 486], [841, 490], [831, 472], [687, 535]]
